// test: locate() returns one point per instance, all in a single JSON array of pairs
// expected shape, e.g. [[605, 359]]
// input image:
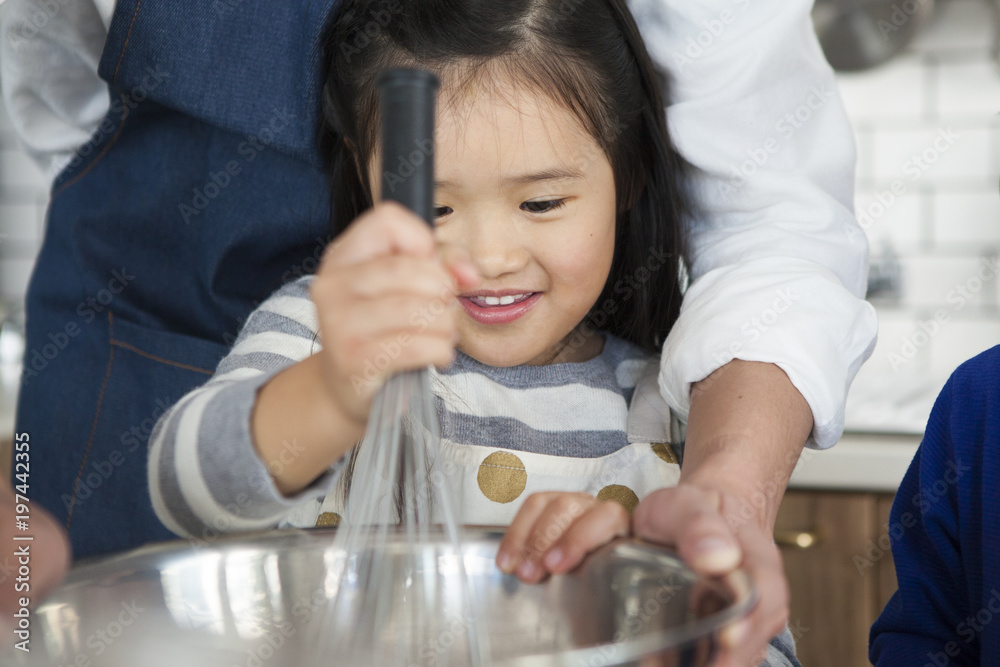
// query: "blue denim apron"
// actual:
[[198, 196]]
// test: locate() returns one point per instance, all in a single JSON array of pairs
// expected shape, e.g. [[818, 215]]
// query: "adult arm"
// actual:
[[49, 54], [773, 327], [748, 425], [778, 262]]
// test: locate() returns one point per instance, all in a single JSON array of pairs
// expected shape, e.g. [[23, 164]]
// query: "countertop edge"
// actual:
[[859, 462]]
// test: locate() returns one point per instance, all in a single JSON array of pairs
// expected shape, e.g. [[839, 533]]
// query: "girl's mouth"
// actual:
[[499, 310]]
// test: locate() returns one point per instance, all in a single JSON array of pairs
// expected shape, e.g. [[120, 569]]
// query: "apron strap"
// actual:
[[649, 416]]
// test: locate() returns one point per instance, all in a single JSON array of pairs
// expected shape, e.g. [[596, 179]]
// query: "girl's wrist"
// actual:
[[294, 407]]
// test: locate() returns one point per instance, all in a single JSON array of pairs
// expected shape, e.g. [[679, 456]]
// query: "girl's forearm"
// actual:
[[297, 429], [747, 426]]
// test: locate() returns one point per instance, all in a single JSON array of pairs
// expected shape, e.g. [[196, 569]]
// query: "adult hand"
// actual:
[[746, 428], [697, 522], [50, 557]]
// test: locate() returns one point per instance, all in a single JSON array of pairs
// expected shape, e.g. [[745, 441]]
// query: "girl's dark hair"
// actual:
[[585, 54]]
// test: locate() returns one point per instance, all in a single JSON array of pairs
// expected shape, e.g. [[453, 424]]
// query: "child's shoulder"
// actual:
[[289, 309], [965, 420], [974, 387], [982, 370], [293, 297], [298, 288]]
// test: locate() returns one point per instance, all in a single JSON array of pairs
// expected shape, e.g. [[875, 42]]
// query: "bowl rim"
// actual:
[[744, 596]]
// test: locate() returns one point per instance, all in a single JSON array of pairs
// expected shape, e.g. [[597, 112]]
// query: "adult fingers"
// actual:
[[690, 519], [745, 641]]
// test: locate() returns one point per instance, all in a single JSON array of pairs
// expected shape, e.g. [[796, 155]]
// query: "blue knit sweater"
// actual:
[[945, 528]]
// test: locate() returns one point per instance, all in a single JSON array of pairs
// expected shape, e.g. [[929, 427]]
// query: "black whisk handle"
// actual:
[[407, 99]]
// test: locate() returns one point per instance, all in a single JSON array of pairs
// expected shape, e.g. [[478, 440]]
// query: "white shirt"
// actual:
[[779, 264]]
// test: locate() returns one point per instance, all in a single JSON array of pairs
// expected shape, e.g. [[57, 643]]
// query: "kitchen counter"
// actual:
[[859, 462]]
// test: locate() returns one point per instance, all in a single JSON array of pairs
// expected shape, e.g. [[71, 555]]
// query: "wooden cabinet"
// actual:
[[840, 571]]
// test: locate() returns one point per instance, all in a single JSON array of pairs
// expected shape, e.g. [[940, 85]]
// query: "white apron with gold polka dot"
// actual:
[[490, 484]]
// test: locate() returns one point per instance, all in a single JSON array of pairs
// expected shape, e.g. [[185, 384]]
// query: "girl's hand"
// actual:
[[386, 303], [553, 531]]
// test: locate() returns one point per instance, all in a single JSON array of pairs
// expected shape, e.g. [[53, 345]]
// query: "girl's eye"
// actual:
[[543, 206], [440, 211]]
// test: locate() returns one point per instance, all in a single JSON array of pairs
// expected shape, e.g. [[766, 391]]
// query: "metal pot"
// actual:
[[859, 34], [268, 600]]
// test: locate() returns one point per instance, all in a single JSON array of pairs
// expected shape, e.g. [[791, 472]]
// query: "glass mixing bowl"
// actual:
[[267, 599]]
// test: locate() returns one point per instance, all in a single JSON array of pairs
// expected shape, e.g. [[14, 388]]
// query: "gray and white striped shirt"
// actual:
[[206, 477]]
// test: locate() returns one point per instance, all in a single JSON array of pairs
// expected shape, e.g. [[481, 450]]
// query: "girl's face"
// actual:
[[529, 194]]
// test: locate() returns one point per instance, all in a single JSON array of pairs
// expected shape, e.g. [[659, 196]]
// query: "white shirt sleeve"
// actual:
[[49, 53], [778, 262]]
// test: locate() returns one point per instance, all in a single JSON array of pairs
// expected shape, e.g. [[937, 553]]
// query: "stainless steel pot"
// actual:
[[268, 599], [860, 34]]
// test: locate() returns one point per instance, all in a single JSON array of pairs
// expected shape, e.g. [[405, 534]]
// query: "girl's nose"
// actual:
[[495, 247]]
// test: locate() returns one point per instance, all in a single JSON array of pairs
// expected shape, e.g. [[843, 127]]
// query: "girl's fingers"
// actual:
[[512, 548], [394, 355], [385, 275], [362, 376], [400, 315], [560, 513], [387, 229], [601, 523]]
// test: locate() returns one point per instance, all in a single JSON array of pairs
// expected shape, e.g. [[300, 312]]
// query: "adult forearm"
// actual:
[[746, 429], [297, 430]]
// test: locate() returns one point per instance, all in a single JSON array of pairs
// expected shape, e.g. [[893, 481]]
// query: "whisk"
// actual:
[[392, 466]]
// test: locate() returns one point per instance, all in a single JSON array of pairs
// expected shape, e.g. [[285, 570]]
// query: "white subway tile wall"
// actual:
[[968, 219], [928, 136], [928, 121]]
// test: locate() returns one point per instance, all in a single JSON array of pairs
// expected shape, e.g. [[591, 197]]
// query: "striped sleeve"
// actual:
[[205, 476]]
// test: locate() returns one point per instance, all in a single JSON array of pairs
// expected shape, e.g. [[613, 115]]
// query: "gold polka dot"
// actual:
[[620, 494], [502, 477], [663, 450], [328, 520]]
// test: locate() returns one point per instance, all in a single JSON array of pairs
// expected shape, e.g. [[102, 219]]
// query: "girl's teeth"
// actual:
[[495, 300]]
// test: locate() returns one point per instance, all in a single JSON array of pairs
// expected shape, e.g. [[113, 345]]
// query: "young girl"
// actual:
[[554, 269], [543, 295]]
